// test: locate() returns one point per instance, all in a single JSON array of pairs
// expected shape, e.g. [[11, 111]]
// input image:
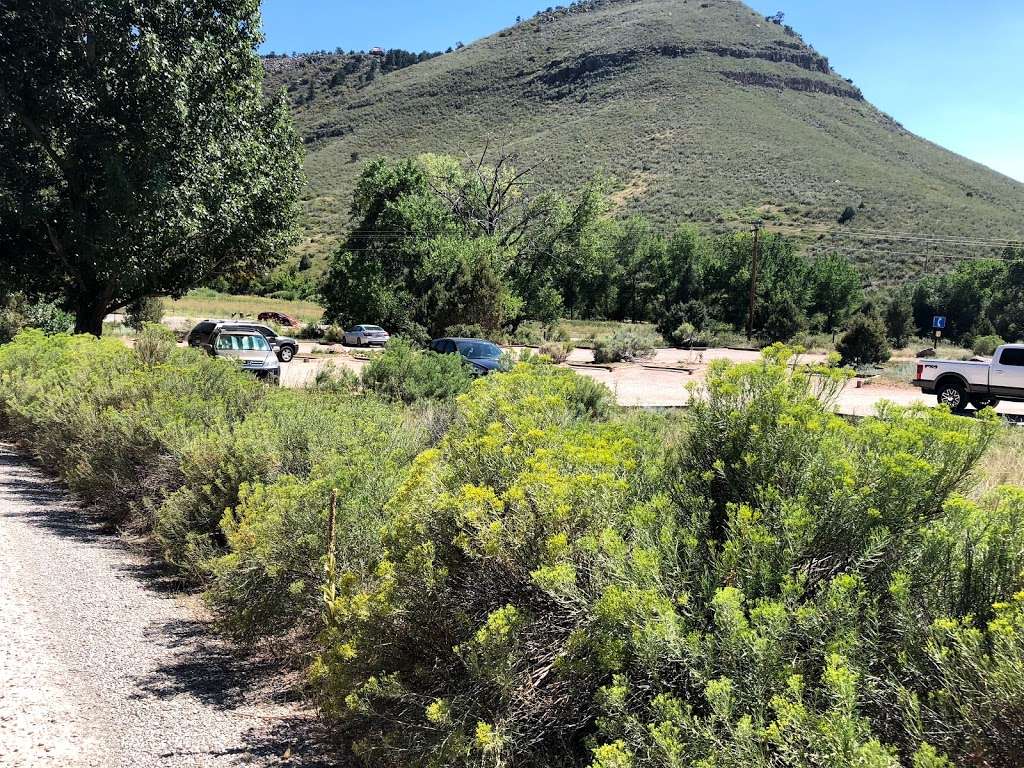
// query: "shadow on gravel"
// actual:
[[302, 739], [214, 672], [204, 666], [50, 509]]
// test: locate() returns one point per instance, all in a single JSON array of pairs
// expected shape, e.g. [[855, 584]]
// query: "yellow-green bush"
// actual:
[[270, 577], [556, 590], [539, 579]]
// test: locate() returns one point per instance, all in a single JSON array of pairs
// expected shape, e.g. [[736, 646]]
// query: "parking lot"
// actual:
[[660, 382]]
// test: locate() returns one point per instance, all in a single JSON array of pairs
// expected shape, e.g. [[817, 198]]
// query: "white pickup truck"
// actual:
[[980, 383]]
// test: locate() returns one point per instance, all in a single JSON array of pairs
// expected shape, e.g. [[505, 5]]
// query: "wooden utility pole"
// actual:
[[330, 563], [753, 278]]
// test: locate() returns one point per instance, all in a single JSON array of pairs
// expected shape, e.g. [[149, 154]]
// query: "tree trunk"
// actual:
[[89, 316]]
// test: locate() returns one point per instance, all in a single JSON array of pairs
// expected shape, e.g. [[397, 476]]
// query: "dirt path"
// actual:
[[101, 665]]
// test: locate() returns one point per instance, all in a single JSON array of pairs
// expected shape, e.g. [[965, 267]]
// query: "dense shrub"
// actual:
[[986, 346], [17, 313], [147, 310], [276, 530], [155, 344], [557, 583], [407, 374], [789, 584], [624, 346], [334, 334], [110, 424], [558, 351], [864, 342]]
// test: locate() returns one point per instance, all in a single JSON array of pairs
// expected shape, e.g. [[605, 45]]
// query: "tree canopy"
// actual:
[[437, 243], [138, 156]]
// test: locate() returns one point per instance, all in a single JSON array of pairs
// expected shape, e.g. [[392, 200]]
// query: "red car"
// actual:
[[278, 317]]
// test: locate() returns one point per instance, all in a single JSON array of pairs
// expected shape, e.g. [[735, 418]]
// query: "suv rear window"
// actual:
[[1012, 357]]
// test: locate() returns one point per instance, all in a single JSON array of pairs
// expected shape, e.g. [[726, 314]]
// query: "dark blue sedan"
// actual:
[[483, 355]]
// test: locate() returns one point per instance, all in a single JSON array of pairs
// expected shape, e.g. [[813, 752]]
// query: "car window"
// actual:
[[372, 328], [1013, 357], [223, 342], [479, 350]]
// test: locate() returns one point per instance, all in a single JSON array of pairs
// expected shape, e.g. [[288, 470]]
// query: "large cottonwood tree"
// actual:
[[138, 155]]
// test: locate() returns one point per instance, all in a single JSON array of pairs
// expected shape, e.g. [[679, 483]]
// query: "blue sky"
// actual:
[[949, 70]]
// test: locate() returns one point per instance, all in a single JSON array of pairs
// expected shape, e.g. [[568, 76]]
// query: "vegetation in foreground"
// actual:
[[531, 576]]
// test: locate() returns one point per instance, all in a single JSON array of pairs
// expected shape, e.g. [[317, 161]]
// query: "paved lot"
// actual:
[[649, 384]]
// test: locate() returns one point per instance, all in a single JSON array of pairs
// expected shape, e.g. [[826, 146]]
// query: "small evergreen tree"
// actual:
[[864, 342], [899, 320]]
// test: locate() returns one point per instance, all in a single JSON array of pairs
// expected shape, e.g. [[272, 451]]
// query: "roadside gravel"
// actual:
[[102, 665]]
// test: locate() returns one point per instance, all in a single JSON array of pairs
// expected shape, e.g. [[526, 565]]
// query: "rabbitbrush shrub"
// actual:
[[555, 582], [406, 374], [782, 587]]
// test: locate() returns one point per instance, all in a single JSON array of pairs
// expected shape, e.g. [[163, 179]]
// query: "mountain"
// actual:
[[696, 110]]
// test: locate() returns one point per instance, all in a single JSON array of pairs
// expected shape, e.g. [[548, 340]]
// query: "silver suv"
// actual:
[[250, 348]]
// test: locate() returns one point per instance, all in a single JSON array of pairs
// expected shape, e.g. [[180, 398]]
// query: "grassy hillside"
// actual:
[[695, 110]]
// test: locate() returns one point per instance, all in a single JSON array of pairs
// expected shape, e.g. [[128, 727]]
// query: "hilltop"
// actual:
[[695, 110]]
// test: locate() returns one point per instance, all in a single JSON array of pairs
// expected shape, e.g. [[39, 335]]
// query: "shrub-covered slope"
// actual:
[[696, 110]]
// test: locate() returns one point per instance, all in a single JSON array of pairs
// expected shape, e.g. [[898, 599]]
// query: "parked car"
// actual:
[[978, 382], [484, 356], [280, 318], [366, 336], [200, 335], [284, 347], [250, 348]]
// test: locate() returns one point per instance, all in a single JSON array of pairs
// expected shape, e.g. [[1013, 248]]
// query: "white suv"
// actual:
[[250, 348]]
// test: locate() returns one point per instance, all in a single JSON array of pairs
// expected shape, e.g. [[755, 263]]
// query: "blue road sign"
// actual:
[[939, 322]]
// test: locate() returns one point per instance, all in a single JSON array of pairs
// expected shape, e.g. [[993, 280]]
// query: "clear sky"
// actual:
[[949, 70]]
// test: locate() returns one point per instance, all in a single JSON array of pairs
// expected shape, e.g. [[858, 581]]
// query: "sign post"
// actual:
[[938, 325]]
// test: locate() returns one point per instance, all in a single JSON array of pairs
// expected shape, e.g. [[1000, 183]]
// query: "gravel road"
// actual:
[[101, 664]]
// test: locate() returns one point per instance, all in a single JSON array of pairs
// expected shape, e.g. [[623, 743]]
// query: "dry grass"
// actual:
[[1004, 463], [595, 329], [202, 304]]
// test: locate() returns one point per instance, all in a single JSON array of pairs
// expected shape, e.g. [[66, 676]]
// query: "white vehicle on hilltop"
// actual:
[[976, 382]]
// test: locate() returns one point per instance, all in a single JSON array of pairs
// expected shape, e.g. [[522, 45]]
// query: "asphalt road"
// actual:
[[102, 664]]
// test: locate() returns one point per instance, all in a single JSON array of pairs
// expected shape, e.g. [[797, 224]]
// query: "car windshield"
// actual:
[[372, 328], [478, 350], [242, 343]]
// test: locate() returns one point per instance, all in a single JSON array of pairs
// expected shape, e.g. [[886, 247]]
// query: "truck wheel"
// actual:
[[953, 395], [287, 353]]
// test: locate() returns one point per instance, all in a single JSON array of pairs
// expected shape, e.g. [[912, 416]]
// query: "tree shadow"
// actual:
[[51, 508], [202, 663]]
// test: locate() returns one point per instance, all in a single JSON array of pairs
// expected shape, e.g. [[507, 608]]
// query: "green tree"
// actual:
[[437, 244], [899, 318], [137, 154], [1007, 308], [835, 290], [864, 342]]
